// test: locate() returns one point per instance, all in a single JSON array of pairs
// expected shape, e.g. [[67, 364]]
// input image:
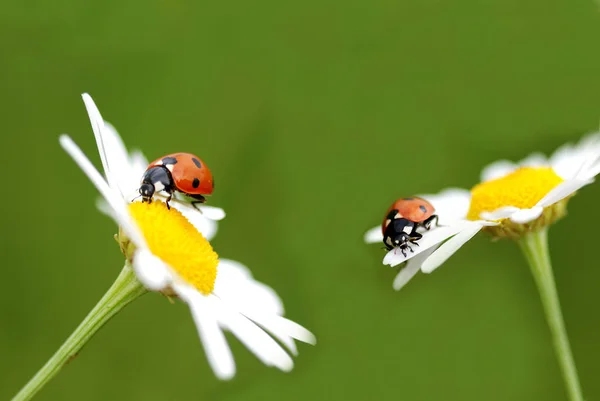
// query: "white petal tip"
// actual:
[[287, 366], [213, 213], [309, 339], [373, 236], [391, 259], [225, 375]]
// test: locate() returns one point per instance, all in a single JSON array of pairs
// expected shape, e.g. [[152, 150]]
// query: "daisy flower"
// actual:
[[171, 254], [517, 201], [168, 251], [511, 200]]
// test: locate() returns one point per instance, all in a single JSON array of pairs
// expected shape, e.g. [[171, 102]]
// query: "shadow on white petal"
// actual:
[[211, 335], [411, 269], [561, 191], [497, 170], [151, 271], [373, 236], [524, 216], [448, 248], [430, 238], [501, 213]]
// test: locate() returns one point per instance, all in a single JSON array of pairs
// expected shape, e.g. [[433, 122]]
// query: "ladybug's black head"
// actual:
[[146, 191]]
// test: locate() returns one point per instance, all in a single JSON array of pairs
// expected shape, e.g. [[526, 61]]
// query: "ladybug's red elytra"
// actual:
[[402, 220], [182, 172]]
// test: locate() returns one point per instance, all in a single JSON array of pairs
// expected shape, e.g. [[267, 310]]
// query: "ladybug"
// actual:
[[181, 172], [402, 220]]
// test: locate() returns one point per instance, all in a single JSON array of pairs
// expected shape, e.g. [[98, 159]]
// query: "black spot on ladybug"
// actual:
[[408, 198], [169, 160], [423, 208], [213, 183], [197, 162], [196, 183]]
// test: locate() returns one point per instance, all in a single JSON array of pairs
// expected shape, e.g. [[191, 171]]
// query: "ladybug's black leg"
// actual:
[[414, 235], [170, 191], [199, 199], [427, 223]]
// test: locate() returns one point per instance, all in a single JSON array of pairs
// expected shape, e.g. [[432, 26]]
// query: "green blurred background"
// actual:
[[313, 116]]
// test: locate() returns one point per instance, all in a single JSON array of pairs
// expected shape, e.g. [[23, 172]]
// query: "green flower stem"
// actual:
[[125, 289], [535, 247]]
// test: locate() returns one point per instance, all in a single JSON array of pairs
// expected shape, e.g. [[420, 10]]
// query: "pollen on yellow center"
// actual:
[[173, 239], [522, 188]]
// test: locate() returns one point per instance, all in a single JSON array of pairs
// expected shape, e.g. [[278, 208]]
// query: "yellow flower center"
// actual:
[[523, 188], [172, 238]]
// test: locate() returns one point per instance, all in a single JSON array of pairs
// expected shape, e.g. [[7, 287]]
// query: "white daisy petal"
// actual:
[[254, 338], [283, 329], [116, 203], [97, 126], [564, 161], [373, 236], [126, 178], [236, 286], [430, 238], [561, 191], [151, 271], [270, 324], [447, 249], [589, 168], [138, 162], [296, 331], [212, 213], [212, 337], [497, 170], [534, 160], [257, 301], [502, 213], [105, 208], [525, 216], [232, 270], [592, 171], [450, 205], [411, 269]]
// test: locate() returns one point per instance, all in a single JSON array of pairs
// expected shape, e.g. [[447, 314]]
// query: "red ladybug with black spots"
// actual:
[[402, 220], [178, 172]]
